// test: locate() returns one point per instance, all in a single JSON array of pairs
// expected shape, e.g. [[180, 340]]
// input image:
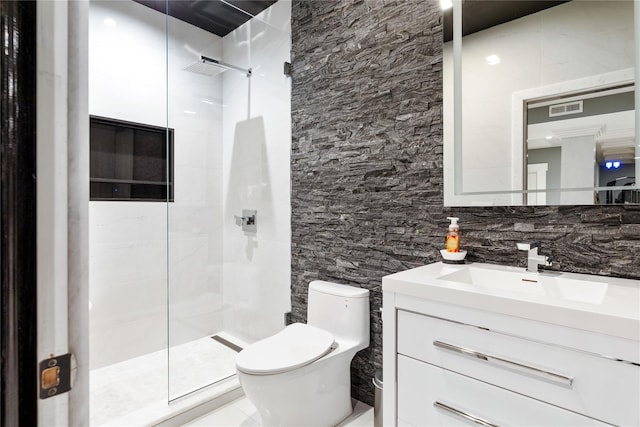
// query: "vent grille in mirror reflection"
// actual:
[[565, 109]]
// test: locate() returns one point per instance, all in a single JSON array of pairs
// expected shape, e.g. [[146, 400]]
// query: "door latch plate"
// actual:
[[55, 375]]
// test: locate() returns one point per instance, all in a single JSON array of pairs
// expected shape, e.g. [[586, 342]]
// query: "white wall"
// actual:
[[256, 174], [232, 151], [128, 240], [578, 170], [534, 52], [195, 220]]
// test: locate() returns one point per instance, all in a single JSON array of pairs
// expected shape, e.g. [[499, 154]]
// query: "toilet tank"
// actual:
[[340, 309]]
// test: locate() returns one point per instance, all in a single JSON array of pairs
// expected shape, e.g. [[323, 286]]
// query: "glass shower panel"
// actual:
[[127, 211], [195, 217], [227, 287]]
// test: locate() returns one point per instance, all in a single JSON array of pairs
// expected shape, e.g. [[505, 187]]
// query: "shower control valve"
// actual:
[[248, 220]]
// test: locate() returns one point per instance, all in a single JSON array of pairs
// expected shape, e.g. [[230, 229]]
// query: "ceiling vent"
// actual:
[[565, 109]]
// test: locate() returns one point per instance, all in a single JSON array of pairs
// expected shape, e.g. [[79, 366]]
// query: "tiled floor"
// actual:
[[134, 392], [129, 391], [241, 413]]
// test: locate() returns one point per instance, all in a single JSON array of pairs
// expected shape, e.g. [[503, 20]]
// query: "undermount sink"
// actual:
[[516, 280]]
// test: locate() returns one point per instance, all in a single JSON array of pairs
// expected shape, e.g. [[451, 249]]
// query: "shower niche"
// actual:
[[175, 290], [130, 161]]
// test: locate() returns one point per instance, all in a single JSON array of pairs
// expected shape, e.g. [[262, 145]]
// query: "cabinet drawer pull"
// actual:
[[464, 415], [511, 364]]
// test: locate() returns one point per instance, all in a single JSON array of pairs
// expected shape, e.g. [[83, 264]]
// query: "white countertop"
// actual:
[[606, 305]]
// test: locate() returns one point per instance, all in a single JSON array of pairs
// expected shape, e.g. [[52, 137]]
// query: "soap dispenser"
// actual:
[[453, 235]]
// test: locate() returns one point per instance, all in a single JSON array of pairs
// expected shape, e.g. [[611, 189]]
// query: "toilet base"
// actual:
[[316, 395]]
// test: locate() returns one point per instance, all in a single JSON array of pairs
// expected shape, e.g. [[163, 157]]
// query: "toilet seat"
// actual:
[[297, 345]]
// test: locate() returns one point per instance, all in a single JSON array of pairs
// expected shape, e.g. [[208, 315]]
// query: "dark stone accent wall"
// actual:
[[366, 166]]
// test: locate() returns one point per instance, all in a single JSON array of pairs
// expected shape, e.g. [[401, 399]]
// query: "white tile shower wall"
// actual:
[[256, 174], [532, 54], [195, 237], [128, 240]]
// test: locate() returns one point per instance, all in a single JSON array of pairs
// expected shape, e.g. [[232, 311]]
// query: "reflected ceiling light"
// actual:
[[110, 22], [615, 164], [492, 59], [446, 4], [548, 137], [189, 112], [207, 101]]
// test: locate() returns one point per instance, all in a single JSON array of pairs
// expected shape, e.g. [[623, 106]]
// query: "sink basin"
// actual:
[[604, 304], [519, 281]]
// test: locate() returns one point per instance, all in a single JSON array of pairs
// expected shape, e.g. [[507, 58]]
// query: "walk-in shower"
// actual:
[[195, 129]]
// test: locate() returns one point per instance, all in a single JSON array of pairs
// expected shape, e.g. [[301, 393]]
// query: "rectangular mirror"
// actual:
[[539, 103]]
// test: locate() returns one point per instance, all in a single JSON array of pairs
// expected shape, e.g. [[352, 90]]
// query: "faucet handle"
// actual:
[[527, 246]]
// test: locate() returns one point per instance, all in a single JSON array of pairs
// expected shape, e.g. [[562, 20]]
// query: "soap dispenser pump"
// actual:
[[453, 235]]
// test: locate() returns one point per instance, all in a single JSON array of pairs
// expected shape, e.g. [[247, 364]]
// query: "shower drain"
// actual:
[[227, 343]]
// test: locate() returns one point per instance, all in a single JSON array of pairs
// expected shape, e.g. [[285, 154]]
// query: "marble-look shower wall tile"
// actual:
[[137, 74], [255, 173]]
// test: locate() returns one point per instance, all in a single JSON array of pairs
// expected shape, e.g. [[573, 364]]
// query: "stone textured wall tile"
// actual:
[[366, 167]]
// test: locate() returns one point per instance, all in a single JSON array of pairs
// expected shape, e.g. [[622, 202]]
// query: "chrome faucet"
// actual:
[[533, 259]]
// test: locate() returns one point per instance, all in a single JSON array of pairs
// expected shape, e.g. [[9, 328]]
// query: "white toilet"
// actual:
[[300, 376]]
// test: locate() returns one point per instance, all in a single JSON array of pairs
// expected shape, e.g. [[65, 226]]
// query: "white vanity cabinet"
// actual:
[[432, 396], [459, 354]]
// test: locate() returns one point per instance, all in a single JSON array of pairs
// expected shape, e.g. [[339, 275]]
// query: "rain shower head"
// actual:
[[211, 67], [204, 69]]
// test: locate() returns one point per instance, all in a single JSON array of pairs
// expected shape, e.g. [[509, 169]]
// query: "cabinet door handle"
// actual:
[[463, 414], [563, 379]]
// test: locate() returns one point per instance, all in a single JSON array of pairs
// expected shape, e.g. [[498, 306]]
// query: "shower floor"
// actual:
[[133, 391]]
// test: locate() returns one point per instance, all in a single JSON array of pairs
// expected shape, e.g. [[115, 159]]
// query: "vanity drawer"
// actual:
[[588, 384], [432, 396]]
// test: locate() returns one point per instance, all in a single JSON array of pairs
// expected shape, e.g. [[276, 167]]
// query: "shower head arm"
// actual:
[[207, 60]]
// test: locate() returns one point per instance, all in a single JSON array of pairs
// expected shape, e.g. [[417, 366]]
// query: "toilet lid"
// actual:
[[297, 345]]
